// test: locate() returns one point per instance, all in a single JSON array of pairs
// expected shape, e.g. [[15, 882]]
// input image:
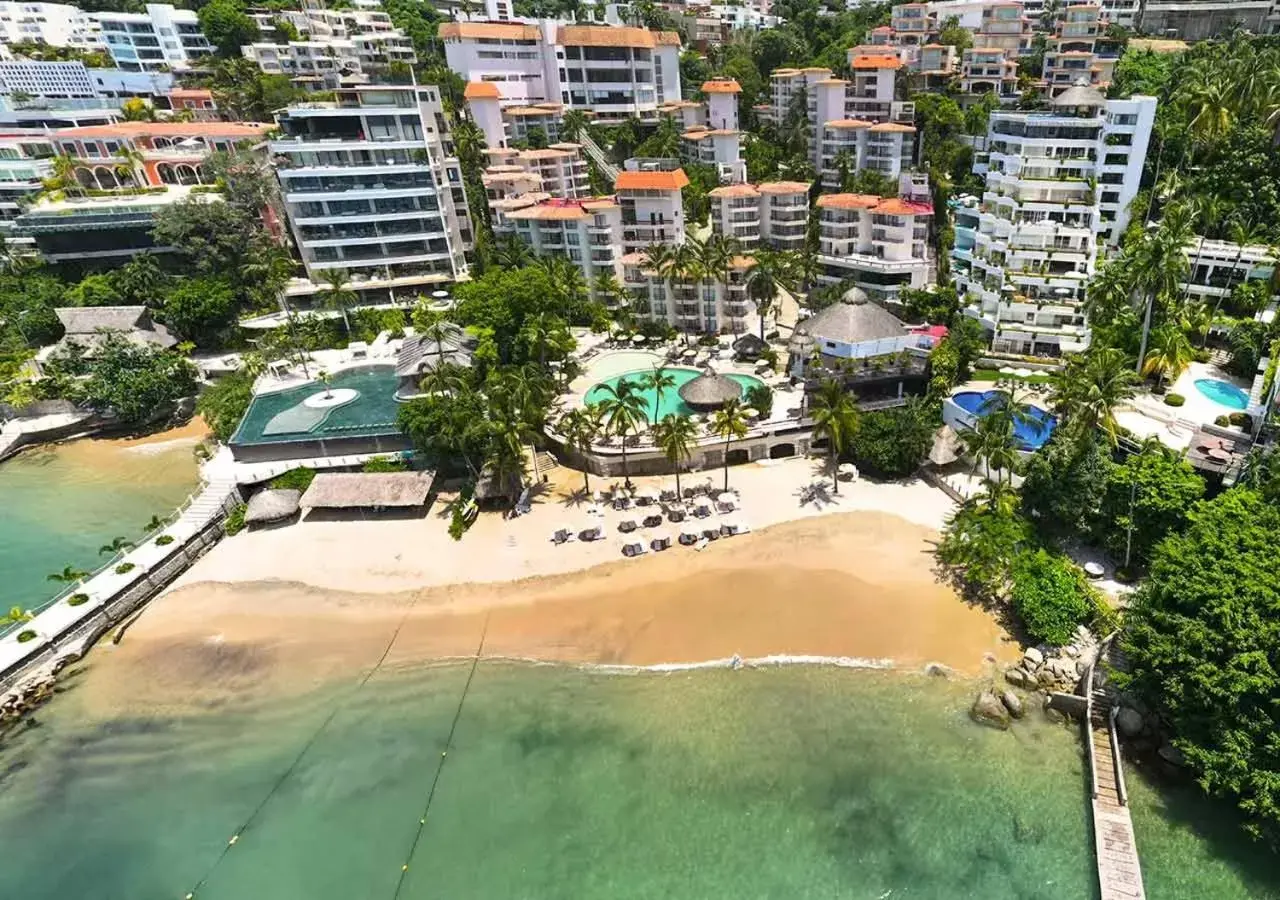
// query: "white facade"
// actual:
[[774, 214], [360, 44], [161, 37], [884, 147], [1079, 50], [54, 80], [25, 161], [1215, 267], [56, 24], [699, 307], [1058, 186], [370, 188], [614, 72], [652, 211], [882, 245], [584, 231], [558, 170]]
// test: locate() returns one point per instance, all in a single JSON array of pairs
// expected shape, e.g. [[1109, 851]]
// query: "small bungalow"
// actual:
[[88, 327], [420, 355]]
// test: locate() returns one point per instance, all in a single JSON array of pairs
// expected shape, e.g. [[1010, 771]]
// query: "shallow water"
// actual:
[[813, 782], [62, 502]]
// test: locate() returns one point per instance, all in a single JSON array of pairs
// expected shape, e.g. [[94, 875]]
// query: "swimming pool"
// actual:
[[1224, 393], [671, 404], [283, 416], [1031, 434]]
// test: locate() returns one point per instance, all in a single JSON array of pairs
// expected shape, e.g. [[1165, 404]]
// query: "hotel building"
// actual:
[[774, 214]]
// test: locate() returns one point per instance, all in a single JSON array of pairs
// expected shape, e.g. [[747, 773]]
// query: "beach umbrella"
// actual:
[[638, 339]]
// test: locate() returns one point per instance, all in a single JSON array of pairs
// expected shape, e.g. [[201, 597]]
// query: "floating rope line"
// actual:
[[297, 760], [444, 756]]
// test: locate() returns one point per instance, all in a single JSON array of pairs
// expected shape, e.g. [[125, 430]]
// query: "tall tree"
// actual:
[[624, 414], [728, 422], [835, 419], [676, 436], [337, 294]]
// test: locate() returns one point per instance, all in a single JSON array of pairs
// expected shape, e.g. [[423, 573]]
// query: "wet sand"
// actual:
[[838, 586]]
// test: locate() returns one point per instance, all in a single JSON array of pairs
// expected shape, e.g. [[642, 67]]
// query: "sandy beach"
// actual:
[[292, 608]]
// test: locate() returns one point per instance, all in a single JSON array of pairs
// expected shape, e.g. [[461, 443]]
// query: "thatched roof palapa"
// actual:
[[851, 321], [750, 345], [709, 391], [352, 490], [271, 506]]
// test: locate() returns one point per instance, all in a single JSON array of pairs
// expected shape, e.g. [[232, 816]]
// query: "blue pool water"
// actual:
[[670, 402], [1223, 392], [1031, 434]]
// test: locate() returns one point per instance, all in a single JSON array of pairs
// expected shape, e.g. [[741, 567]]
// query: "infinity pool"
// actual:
[[670, 402], [281, 416], [1223, 393], [1031, 434]]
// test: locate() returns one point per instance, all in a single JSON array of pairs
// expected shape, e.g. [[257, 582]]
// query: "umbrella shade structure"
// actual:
[[1094, 570], [271, 506], [728, 527], [621, 501], [946, 446], [638, 339], [709, 391], [847, 472], [711, 532], [726, 502], [646, 498], [749, 346]]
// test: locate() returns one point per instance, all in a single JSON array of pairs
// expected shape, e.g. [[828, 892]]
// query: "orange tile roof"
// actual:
[[784, 187], [848, 201], [847, 123], [545, 212], [809, 69], [895, 206], [481, 90], [734, 190], [168, 129], [652, 181], [893, 127], [721, 86], [195, 93], [492, 30], [742, 262], [668, 39], [608, 36], [522, 111], [876, 62], [697, 134]]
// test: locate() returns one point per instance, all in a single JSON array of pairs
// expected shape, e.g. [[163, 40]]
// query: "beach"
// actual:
[[295, 607]]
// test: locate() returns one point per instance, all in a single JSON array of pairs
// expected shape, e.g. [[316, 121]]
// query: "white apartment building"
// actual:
[[1058, 185], [55, 24], [1215, 267], [162, 37], [712, 137], [652, 211], [52, 80], [880, 244], [856, 144], [615, 72], [988, 71], [558, 171], [25, 161], [774, 214], [585, 231], [503, 125], [1079, 49], [369, 188], [718, 307], [356, 44]]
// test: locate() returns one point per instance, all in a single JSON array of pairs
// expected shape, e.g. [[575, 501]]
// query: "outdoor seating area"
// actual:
[[703, 514]]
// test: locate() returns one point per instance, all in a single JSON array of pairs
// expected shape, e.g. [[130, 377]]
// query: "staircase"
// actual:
[[598, 156]]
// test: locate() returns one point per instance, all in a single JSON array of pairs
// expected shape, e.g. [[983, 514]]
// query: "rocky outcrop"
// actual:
[[1013, 703], [1054, 668], [32, 691], [988, 709]]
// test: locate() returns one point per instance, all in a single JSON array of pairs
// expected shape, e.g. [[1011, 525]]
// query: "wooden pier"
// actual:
[[1116, 848]]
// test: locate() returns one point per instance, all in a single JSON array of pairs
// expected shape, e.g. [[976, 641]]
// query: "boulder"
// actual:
[[1172, 755], [938, 670], [988, 710], [1033, 658], [1018, 678], [1013, 703], [1054, 716], [1130, 722], [1081, 667], [1070, 650], [1046, 677]]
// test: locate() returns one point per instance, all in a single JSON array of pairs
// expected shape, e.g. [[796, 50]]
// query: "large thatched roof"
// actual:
[[749, 345], [419, 354], [88, 325], [271, 506], [351, 490], [851, 321], [709, 390], [1079, 95]]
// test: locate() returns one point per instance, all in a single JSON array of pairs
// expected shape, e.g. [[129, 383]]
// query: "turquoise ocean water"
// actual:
[[560, 783], [60, 503]]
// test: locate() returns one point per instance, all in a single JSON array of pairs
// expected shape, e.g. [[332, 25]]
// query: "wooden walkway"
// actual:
[[1119, 874]]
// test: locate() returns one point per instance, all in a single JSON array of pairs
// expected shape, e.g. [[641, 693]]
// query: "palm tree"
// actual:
[[439, 329], [1242, 232], [117, 544], [573, 124], [511, 252], [1159, 264], [15, 616], [765, 280], [68, 575], [835, 418], [1087, 390], [659, 381], [337, 294], [579, 428], [607, 289], [64, 176], [127, 168], [992, 441], [154, 524], [1169, 355], [729, 423], [676, 437], [623, 413]]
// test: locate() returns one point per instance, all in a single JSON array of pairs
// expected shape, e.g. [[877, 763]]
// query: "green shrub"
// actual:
[[1174, 399], [384, 464], [125, 568], [1051, 596], [24, 636], [295, 479], [77, 600], [1240, 420], [986, 365], [235, 519], [760, 396], [1222, 421], [164, 540], [1202, 356]]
